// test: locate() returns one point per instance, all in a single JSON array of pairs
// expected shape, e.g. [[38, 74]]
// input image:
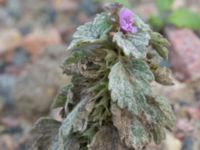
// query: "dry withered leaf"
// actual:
[[106, 138]]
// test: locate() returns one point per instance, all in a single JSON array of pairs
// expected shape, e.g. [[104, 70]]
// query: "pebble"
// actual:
[[187, 143], [171, 143]]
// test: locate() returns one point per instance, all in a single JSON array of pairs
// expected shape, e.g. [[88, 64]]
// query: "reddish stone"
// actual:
[[185, 53], [65, 5], [194, 113], [36, 41], [8, 56], [2, 2], [10, 121], [13, 70]]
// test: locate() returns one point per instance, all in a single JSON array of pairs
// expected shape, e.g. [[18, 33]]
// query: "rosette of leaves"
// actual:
[[109, 104]]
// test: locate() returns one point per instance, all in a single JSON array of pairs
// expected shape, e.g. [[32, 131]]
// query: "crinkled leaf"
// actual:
[[162, 112], [157, 38], [132, 44], [126, 89], [106, 138], [183, 17], [158, 134], [91, 32], [90, 64], [61, 97], [163, 76], [141, 129], [139, 135], [162, 51], [141, 70], [76, 121], [76, 56], [159, 43], [131, 131], [154, 57]]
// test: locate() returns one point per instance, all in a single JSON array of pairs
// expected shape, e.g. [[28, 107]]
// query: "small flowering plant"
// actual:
[[109, 104], [126, 21]]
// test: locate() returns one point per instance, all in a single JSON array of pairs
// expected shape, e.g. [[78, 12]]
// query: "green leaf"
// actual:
[[131, 131], [141, 70], [139, 134], [132, 44], [76, 56], [128, 89], [149, 115], [92, 32], [151, 123], [166, 109], [161, 112], [158, 134], [154, 58], [157, 38], [183, 17], [76, 121], [164, 5], [159, 43], [61, 97], [141, 24], [162, 51], [163, 76]]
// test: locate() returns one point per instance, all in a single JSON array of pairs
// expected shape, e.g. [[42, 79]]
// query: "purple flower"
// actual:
[[126, 20]]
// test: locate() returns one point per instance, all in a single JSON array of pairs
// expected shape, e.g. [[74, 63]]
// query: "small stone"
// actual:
[[38, 84], [36, 41], [178, 92], [184, 125], [2, 2], [9, 40], [8, 56], [171, 143], [187, 144], [185, 55], [194, 112], [7, 83], [6, 143], [14, 8], [20, 57], [65, 5], [10, 121]]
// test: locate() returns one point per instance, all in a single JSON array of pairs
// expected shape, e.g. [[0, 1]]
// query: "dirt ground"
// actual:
[[33, 39]]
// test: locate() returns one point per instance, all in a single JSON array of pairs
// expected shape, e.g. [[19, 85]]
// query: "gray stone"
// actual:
[[7, 83], [38, 84]]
